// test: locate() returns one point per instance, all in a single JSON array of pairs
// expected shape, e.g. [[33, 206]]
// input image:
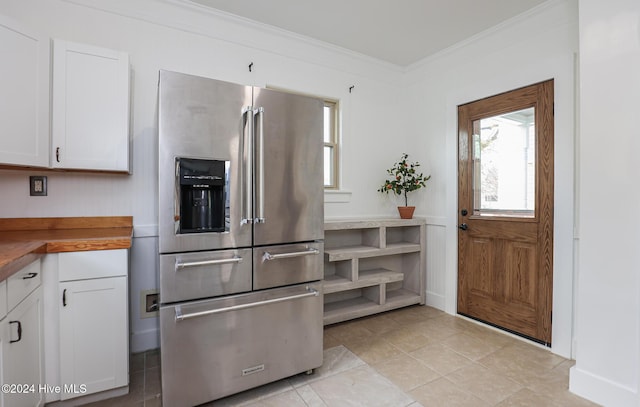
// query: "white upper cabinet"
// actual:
[[24, 104], [90, 114]]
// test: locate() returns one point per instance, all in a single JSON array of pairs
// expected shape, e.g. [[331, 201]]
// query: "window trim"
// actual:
[[333, 144]]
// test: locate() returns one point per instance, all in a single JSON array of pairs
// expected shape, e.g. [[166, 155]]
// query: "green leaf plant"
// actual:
[[404, 178]]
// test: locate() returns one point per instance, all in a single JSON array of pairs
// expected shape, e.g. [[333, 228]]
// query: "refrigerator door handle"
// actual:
[[246, 152], [176, 199], [269, 256], [260, 167], [182, 265], [311, 292]]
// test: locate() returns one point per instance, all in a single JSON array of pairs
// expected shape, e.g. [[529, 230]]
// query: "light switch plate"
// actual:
[[38, 185]]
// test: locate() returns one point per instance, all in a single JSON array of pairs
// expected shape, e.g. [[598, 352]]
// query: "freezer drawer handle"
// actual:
[[180, 266], [269, 256], [311, 292]]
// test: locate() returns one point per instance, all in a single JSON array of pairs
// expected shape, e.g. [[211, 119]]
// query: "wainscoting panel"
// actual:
[[436, 262]]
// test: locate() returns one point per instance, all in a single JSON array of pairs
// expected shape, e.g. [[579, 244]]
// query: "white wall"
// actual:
[[608, 306], [537, 46], [176, 36]]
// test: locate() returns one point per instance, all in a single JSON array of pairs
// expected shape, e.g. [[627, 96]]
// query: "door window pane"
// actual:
[[504, 164]]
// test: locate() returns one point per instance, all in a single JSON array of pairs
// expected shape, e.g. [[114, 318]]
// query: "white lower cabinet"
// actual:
[[3, 313], [94, 325], [3, 327], [93, 336], [21, 347]]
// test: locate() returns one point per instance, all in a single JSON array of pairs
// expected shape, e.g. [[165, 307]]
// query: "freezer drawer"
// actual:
[[213, 348], [280, 265], [191, 276]]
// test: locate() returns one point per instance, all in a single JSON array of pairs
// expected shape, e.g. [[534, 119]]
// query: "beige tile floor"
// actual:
[[416, 356]]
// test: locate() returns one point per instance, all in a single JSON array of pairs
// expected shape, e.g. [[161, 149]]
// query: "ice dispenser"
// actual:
[[202, 189]]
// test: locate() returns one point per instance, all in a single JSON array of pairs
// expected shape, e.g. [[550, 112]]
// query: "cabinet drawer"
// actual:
[[92, 264], [3, 299], [22, 283]]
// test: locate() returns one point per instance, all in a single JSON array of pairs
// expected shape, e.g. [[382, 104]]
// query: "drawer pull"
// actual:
[[180, 266], [311, 292], [64, 297], [19, 331], [269, 256], [30, 276]]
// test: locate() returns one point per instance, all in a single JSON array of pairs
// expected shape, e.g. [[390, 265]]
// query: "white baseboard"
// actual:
[[435, 300], [145, 340], [600, 390]]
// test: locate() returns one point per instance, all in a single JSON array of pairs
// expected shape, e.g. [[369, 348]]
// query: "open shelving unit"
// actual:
[[372, 266]]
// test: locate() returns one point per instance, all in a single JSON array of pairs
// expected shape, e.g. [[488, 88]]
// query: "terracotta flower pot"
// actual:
[[406, 212]]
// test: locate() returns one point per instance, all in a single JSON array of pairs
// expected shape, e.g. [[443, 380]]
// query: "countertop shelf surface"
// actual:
[[23, 240]]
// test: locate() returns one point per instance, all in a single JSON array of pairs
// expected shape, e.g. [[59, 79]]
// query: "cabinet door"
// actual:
[[93, 335], [24, 105], [3, 335], [22, 352], [90, 123]]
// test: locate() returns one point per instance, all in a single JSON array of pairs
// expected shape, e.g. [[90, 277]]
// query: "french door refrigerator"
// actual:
[[240, 236]]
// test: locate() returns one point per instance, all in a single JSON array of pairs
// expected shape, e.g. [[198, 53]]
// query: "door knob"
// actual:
[[463, 226]]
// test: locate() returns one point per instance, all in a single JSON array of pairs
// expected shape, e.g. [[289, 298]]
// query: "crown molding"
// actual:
[[496, 29], [188, 16]]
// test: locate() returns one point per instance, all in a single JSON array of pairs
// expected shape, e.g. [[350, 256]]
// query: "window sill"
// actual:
[[337, 196]]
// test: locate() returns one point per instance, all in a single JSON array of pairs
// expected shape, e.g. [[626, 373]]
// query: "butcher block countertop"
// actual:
[[23, 240]]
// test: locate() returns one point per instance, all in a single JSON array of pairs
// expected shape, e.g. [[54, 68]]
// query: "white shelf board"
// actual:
[[360, 252], [366, 278], [359, 307], [343, 224]]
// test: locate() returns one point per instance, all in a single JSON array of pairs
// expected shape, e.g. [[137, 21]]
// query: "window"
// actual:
[[504, 156], [330, 144]]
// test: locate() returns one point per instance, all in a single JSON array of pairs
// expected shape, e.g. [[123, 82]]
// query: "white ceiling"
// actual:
[[398, 31]]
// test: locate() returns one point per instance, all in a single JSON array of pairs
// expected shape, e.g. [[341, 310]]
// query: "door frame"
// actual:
[[566, 237]]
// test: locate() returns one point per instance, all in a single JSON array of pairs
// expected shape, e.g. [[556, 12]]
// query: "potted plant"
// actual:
[[404, 179]]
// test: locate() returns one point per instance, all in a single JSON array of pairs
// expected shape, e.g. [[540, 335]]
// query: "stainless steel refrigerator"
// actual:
[[240, 236]]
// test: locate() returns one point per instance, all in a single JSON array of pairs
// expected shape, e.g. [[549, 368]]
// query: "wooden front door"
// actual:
[[505, 210]]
